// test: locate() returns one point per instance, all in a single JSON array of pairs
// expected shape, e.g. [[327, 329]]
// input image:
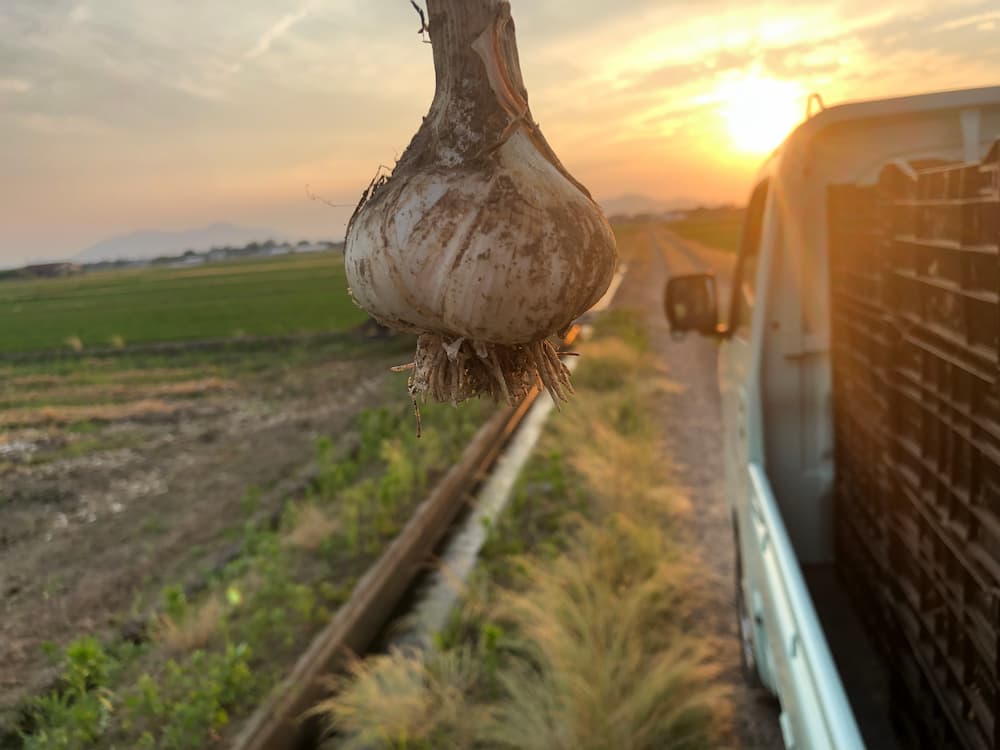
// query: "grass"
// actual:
[[420, 703], [193, 629], [577, 629], [260, 297], [211, 658], [718, 228], [312, 526]]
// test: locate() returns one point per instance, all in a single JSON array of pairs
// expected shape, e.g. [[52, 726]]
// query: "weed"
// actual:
[[175, 604], [54, 584], [402, 702], [83, 428], [82, 447], [250, 502], [184, 707], [625, 326], [195, 628], [76, 714], [312, 526], [153, 527], [332, 474]]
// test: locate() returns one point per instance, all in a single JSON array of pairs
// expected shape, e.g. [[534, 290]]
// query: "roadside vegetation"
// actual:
[[578, 628], [717, 228], [207, 655]]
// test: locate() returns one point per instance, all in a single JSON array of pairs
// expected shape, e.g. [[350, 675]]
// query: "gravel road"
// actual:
[[693, 447]]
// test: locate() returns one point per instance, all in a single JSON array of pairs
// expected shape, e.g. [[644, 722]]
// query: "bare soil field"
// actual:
[[115, 479]]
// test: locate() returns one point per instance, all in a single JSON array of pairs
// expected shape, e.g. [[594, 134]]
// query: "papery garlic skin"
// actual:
[[506, 253]]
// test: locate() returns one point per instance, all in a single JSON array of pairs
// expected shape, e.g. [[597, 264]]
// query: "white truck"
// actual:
[[839, 685]]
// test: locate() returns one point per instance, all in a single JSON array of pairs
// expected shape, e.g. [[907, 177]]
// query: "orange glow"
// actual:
[[759, 111]]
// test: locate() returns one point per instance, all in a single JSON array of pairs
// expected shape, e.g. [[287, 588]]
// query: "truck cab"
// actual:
[[799, 639]]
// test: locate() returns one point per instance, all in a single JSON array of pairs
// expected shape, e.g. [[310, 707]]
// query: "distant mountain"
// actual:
[[151, 243], [632, 203]]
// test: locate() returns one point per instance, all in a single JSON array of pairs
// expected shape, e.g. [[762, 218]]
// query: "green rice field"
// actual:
[[258, 297], [718, 228]]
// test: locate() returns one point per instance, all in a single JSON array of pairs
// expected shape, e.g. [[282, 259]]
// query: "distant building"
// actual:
[[52, 270]]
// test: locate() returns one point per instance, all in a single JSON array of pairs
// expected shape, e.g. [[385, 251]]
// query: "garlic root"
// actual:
[[457, 370]]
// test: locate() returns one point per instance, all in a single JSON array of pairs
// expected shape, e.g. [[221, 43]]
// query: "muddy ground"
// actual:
[[96, 517]]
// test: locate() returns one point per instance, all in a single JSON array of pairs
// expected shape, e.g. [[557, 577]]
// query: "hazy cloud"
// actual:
[[274, 32], [278, 30]]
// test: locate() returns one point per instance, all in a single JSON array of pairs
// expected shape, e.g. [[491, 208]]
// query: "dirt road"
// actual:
[[693, 446]]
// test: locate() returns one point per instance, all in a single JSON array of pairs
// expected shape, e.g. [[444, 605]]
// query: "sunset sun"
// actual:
[[759, 111]]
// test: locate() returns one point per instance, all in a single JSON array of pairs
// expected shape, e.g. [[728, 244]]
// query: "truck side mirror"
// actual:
[[691, 304]]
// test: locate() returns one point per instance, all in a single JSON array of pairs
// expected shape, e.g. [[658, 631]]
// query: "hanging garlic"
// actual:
[[480, 241]]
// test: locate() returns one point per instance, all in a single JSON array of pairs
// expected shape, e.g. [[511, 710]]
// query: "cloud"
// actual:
[[980, 20], [272, 34], [278, 30]]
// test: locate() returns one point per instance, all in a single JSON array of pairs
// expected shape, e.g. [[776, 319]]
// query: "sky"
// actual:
[[117, 115]]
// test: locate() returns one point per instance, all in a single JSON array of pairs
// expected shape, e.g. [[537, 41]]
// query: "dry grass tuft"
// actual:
[[601, 659], [195, 631], [401, 700], [312, 527]]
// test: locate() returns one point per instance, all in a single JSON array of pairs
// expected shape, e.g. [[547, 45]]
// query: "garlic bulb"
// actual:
[[480, 241]]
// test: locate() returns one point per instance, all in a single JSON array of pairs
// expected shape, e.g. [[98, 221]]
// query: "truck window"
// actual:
[[744, 288]]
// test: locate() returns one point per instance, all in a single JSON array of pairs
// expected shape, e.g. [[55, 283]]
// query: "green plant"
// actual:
[[250, 502], [332, 474], [175, 604], [192, 699], [491, 633], [78, 712]]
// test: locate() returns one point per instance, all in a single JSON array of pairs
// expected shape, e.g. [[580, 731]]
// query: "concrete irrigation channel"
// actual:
[[278, 724], [486, 472]]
